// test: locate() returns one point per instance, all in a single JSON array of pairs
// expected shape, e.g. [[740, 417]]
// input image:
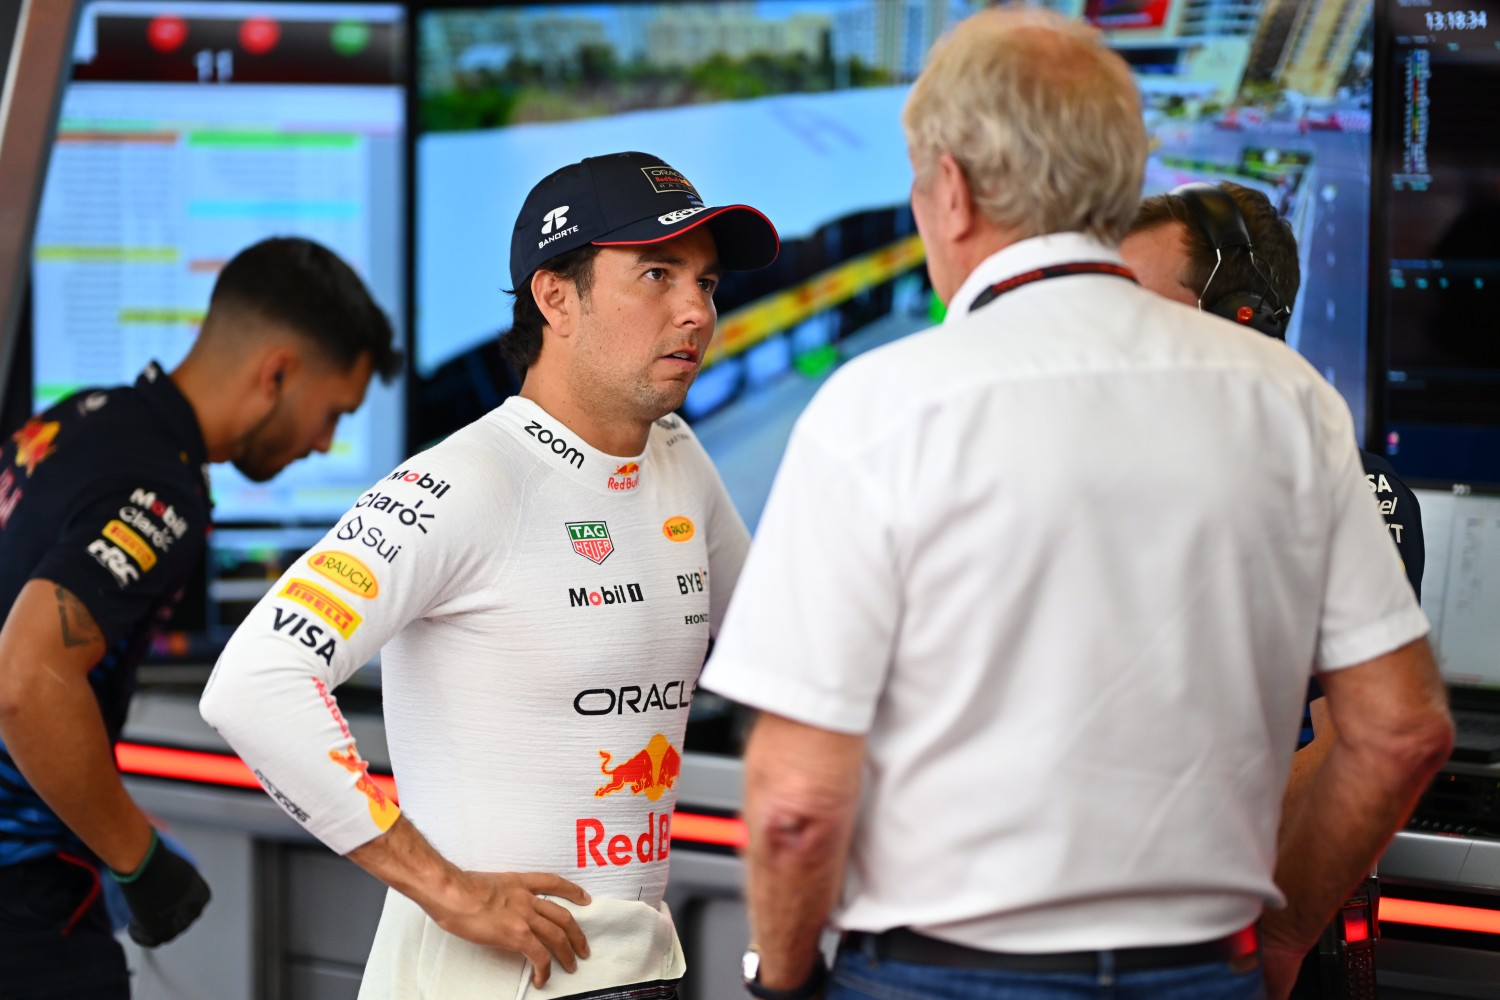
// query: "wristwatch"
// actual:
[[811, 986]]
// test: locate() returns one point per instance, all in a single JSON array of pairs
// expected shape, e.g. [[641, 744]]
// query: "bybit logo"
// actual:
[[555, 219]]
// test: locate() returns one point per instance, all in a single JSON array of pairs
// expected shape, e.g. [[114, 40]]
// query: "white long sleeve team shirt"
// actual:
[[544, 610]]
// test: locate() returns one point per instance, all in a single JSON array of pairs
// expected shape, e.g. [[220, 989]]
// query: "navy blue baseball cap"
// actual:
[[630, 199]]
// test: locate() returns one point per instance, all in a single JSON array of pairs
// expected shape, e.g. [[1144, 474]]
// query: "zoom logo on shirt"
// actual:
[[557, 443]]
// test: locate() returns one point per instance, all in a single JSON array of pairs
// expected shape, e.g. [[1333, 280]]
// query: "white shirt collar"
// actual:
[[1027, 255], [566, 453]]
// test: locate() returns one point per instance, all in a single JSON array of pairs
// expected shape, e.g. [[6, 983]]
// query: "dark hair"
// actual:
[[300, 284], [1270, 235], [521, 345]]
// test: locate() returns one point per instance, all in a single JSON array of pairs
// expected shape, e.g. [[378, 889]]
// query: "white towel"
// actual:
[[634, 954]]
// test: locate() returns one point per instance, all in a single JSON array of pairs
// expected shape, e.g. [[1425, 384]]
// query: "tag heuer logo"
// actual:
[[590, 539]]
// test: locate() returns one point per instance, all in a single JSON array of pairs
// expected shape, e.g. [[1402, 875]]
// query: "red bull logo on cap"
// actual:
[[626, 477], [650, 772]]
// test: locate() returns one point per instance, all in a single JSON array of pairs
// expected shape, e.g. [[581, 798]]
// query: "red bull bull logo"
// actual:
[[382, 810], [626, 477], [650, 772], [34, 444]]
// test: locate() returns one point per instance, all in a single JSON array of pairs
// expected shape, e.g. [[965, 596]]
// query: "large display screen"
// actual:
[[188, 132], [1440, 257], [794, 106]]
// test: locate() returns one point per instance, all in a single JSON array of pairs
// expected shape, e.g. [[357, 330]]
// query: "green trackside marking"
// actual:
[[48, 393], [818, 362]]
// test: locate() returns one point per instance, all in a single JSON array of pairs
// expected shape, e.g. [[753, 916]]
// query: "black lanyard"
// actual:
[[993, 292]]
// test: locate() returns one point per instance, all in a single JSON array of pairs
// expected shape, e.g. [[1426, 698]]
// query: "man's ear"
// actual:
[[272, 369], [955, 199], [557, 299]]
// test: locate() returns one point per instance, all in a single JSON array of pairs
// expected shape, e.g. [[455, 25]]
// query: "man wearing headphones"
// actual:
[[1224, 249]]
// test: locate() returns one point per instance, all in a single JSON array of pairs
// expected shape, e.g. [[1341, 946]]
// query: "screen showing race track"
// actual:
[[189, 131], [793, 106]]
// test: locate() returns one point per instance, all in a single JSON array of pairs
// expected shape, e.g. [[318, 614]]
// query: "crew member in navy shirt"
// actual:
[[104, 509]]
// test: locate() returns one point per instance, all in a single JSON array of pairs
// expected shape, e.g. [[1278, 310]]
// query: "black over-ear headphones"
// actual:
[[1220, 220]]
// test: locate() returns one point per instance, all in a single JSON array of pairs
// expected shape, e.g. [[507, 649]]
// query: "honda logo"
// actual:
[[555, 219]]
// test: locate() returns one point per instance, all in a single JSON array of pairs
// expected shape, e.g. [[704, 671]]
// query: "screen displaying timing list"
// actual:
[[1441, 391], [189, 132]]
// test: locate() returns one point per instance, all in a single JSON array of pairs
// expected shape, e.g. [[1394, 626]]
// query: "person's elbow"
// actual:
[[227, 702], [797, 823], [801, 788], [1392, 712], [215, 706], [1429, 742], [1418, 742], [11, 702]]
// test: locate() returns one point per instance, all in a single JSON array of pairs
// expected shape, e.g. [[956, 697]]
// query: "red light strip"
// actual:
[[184, 765], [222, 769], [1442, 915], [721, 830]]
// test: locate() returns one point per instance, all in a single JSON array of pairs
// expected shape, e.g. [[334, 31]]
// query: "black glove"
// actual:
[[165, 894]]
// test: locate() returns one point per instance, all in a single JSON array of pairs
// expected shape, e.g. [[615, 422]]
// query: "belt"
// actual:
[[902, 944]]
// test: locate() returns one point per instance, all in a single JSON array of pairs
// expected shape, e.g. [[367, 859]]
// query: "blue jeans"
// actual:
[[860, 977]]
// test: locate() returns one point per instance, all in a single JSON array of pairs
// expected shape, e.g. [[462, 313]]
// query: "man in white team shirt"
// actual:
[[1020, 577], [544, 584]]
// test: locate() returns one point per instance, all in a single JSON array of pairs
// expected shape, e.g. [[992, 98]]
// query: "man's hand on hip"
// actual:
[[498, 909], [506, 910]]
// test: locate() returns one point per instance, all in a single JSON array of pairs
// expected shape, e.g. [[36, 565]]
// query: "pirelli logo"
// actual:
[[133, 544], [323, 604]]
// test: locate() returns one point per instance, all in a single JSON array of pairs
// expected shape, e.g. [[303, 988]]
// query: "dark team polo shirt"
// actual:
[[105, 494], [1403, 516]]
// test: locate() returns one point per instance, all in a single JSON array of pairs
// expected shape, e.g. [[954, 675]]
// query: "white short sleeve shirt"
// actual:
[[1067, 561]]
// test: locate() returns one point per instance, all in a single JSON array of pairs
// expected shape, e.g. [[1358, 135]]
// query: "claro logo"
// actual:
[[559, 445]]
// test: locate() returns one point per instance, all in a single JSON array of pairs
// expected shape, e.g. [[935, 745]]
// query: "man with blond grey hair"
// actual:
[[1028, 635]]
